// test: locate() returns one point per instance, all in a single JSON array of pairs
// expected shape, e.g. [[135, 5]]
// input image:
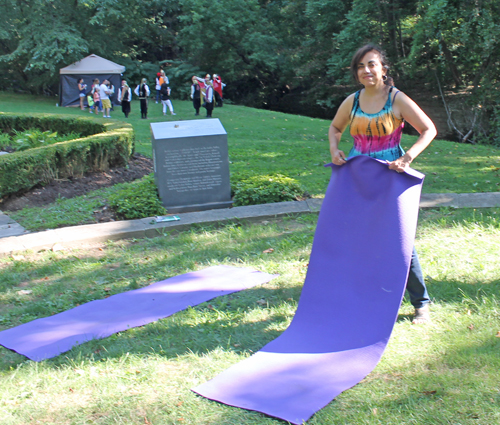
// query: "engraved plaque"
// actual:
[[191, 165]]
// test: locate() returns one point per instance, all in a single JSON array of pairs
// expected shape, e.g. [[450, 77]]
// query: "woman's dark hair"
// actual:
[[81, 79], [356, 59]]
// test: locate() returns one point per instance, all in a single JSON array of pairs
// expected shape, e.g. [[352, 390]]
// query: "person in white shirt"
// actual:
[[196, 95], [142, 91], [125, 96], [204, 82], [209, 99], [104, 92]]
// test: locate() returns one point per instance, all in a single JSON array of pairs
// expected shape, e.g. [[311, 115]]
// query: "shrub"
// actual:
[[138, 199], [50, 122], [267, 189], [36, 138], [19, 171], [5, 140]]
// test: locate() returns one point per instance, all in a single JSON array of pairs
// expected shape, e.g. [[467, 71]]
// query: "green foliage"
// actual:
[[179, 75], [266, 189], [39, 38], [288, 55], [35, 138], [5, 140], [360, 29], [49, 122], [138, 199], [24, 169], [457, 42]]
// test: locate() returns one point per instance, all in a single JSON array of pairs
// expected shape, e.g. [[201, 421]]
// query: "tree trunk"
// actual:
[[449, 59]]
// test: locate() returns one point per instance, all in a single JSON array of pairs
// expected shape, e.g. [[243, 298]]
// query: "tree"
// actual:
[[36, 37], [39, 37], [233, 38], [458, 41]]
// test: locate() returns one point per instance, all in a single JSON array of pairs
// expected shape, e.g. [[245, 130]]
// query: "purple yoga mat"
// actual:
[[48, 337], [353, 289]]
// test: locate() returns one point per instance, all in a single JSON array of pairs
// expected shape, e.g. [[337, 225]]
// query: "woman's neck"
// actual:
[[375, 90]]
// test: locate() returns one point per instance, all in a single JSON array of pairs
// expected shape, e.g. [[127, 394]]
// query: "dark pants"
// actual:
[[210, 108], [218, 99], [98, 106], [196, 105], [415, 284], [144, 108], [126, 107]]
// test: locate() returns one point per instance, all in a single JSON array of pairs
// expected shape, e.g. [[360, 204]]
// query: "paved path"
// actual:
[[9, 227], [14, 238]]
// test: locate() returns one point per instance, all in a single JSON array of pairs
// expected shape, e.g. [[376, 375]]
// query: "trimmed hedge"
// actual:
[[106, 145], [49, 122]]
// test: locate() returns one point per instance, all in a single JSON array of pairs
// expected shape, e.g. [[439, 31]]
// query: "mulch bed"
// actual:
[[138, 166]]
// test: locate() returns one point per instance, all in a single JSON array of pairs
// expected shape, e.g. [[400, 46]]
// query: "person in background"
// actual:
[[209, 99], [125, 97], [82, 88], [165, 99], [96, 97], [90, 101], [142, 91], [111, 89], [218, 86], [204, 83], [158, 86], [375, 115], [196, 95], [104, 92], [163, 78]]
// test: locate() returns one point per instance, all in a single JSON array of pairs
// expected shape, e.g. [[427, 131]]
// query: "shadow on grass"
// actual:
[[73, 281], [216, 324], [221, 323]]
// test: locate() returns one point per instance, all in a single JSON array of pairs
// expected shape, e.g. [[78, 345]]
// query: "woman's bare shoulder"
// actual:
[[348, 102]]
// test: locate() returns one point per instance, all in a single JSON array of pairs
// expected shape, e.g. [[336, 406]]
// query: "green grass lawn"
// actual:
[[264, 142], [442, 373]]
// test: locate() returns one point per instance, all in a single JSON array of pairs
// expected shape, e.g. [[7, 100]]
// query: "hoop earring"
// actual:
[[384, 77]]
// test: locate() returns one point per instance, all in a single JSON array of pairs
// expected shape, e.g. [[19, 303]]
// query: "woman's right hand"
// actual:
[[338, 157]]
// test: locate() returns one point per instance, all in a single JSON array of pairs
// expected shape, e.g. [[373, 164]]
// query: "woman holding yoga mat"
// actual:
[[376, 115]]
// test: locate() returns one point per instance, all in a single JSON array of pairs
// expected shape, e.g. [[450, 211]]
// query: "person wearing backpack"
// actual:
[[165, 99]]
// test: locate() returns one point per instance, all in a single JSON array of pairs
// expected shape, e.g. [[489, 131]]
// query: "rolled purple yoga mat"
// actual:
[[353, 289], [48, 337]]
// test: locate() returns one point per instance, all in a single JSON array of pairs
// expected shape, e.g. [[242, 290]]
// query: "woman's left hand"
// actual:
[[401, 164]]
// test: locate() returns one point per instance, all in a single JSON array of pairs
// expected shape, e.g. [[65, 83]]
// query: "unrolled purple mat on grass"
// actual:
[[353, 289], [48, 337]]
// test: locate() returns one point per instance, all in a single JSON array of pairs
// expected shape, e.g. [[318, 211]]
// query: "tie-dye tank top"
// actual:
[[376, 135]]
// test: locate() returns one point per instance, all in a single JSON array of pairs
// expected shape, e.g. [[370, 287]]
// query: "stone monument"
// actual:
[[191, 165]]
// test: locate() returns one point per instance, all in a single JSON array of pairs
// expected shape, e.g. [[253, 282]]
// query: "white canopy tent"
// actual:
[[88, 68]]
